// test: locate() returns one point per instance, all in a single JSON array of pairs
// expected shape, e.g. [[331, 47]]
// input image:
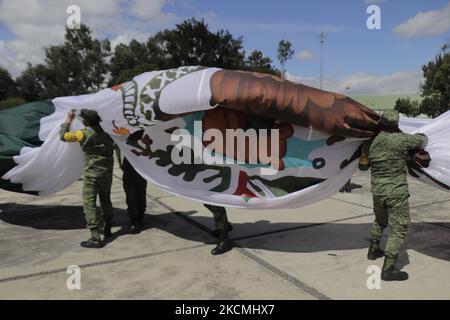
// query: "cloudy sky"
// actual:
[[356, 60]]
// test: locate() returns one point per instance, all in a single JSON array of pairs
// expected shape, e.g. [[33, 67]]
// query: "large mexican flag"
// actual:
[[172, 125]]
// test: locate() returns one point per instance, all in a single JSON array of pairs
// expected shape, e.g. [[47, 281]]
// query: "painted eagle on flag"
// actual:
[[298, 144]]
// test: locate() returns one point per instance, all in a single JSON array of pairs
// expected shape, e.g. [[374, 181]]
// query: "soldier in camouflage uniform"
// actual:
[[223, 227], [388, 154], [97, 147]]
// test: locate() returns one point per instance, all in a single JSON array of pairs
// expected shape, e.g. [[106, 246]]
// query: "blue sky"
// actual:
[[368, 61], [350, 47]]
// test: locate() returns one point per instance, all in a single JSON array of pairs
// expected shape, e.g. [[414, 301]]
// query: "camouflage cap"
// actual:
[[90, 117], [389, 118]]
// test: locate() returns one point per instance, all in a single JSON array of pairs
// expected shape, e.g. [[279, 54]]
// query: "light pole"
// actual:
[[322, 40]]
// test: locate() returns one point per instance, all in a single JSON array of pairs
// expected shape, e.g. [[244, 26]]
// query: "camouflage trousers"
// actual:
[[392, 211], [220, 216], [92, 187]]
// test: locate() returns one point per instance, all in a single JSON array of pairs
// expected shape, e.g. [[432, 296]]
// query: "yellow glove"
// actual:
[[74, 136]]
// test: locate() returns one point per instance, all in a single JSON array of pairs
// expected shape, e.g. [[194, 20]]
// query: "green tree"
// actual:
[[7, 85], [436, 88], [285, 53], [31, 83], [434, 105], [135, 58], [445, 46], [257, 62], [77, 66], [407, 107], [192, 43], [189, 43]]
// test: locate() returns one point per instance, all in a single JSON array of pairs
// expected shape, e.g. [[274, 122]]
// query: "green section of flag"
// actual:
[[285, 185], [19, 127]]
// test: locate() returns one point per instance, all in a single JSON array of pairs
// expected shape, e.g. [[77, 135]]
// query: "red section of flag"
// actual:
[[241, 189]]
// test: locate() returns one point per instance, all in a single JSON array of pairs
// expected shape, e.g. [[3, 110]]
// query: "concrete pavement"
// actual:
[[316, 252]]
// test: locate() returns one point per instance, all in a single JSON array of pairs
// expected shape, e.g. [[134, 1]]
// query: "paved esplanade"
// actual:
[[317, 252]]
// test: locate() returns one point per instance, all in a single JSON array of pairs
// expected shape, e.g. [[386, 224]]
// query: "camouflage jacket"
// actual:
[[97, 147], [388, 155]]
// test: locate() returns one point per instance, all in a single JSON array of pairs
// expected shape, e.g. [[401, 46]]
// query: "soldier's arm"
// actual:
[[416, 141], [70, 136]]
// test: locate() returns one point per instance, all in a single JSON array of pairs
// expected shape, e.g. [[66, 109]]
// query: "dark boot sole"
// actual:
[[218, 251], [374, 257], [91, 245], [393, 278]]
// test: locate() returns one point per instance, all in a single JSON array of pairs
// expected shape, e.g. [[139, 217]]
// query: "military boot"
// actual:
[[94, 241], [136, 228], [107, 227], [390, 272], [136, 224], [216, 232], [223, 245], [374, 250]]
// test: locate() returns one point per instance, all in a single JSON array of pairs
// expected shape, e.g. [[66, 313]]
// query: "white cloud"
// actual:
[[149, 9], [360, 83], [429, 23], [306, 55], [126, 37], [36, 24]]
